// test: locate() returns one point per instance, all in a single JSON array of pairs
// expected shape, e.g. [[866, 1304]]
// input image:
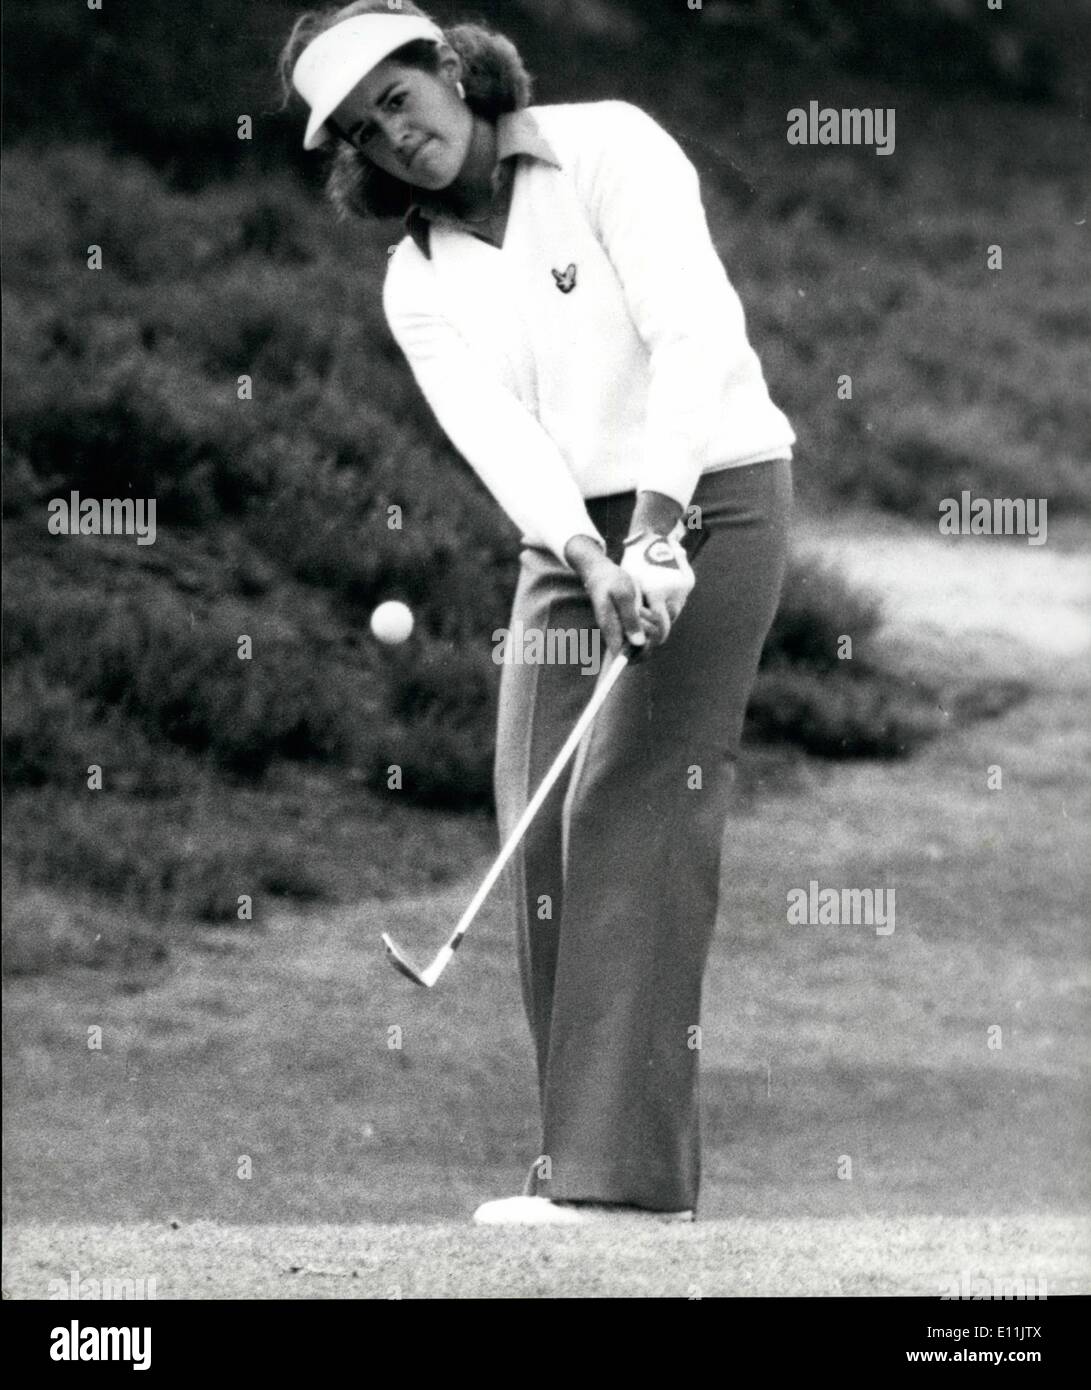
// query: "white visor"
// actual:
[[332, 64]]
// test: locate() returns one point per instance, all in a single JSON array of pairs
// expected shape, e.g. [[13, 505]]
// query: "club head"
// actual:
[[403, 965]]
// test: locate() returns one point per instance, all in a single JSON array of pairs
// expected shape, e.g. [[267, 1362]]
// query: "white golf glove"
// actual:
[[660, 568]]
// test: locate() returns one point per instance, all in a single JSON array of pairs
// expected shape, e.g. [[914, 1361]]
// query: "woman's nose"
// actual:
[[398, 134]]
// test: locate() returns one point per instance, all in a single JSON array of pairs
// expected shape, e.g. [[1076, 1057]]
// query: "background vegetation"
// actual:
[[267, 778], [221, 260]]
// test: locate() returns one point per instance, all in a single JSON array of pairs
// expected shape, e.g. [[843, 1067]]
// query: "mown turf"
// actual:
[[812, 1258], [274, 1043]]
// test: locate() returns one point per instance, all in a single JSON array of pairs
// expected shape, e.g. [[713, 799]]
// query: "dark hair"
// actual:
[[494, 76]]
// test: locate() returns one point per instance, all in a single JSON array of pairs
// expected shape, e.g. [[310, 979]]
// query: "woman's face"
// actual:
[[409, 122]]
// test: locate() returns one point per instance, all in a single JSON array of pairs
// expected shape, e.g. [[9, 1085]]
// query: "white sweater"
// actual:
[[639, 377]]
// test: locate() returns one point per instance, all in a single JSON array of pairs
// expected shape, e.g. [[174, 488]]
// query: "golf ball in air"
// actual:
[[392, 622]]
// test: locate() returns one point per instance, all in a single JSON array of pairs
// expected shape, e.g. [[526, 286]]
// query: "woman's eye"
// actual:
[[396, 102]]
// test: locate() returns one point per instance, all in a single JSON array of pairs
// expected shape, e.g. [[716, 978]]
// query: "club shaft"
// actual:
[[560, 762]]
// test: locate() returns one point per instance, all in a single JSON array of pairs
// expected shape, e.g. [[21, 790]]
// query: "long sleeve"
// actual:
[[645, 202], [501, 441]]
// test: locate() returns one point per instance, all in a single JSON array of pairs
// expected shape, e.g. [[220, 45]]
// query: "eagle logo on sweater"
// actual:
[[566, 280]]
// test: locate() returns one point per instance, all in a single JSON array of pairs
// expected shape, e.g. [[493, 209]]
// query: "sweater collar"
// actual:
[[517, 133]]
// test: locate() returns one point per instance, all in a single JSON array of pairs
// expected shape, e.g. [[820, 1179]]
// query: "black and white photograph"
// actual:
[[547, 643]]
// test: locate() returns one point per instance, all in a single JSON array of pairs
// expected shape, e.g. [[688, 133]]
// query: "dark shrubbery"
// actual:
[[150, 666], [817, 608], [808, 695], [134, 684], [177, 79], [841, 714], [130, 375], [128, 382], [275, 514]]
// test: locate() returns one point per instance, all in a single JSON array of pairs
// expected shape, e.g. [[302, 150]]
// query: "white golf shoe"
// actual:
[[525, 1211], [540, 1211]]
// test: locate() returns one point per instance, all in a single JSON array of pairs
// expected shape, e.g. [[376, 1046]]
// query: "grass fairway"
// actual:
[[370, 1113], [812, 1258]]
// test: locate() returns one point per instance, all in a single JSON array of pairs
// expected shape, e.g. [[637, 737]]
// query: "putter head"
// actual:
[[403, 964]]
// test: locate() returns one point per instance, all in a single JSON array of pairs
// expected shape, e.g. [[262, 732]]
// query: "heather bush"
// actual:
[[275, 511]]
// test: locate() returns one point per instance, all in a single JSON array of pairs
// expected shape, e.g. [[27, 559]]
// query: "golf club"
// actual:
[[431, 974]]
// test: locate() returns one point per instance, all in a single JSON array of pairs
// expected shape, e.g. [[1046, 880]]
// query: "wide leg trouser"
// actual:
[[616, 883]]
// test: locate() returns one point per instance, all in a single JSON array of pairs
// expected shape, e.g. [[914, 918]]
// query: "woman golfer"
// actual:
[[562, 308]]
